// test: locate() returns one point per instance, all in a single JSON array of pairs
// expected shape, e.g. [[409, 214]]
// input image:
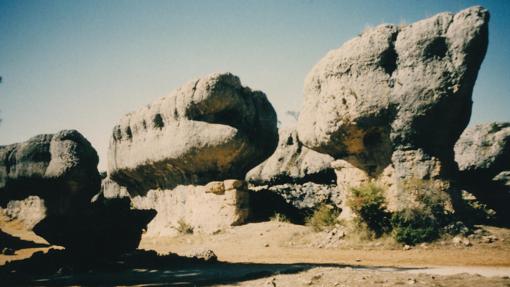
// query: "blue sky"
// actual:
[[83, 64]]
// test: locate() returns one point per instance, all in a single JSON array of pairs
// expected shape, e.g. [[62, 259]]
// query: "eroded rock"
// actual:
[[210, 129], [292, 162], [392, 102], [196, 208], [52, 174]]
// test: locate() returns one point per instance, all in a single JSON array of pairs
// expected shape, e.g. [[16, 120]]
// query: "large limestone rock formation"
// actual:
[[483, 155], [47, 174], [210, 129], [393, 101], [301, 176], [198, 208]]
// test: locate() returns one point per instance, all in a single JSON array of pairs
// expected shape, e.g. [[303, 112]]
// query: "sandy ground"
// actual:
[[282, 254], [275, 242]]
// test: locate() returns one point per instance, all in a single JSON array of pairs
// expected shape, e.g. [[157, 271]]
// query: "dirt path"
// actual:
[[273, 242]]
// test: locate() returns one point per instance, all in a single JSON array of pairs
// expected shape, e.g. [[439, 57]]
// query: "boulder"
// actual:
[[104, 230], [292, 162], [392, 102], [483, 151], [48, 174], [483, 156], [301, 176], [196, 208], [210, 129]]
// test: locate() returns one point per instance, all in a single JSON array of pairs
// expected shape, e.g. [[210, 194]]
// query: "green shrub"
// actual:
[[183, 227], [368, 203], [324, 217], [279, 217], [424, 217], [410, 226]]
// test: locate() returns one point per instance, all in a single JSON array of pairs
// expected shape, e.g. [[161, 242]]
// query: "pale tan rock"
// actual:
[[204, 212], [216, 187]]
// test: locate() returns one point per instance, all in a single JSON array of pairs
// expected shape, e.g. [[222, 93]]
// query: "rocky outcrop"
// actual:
[[393, 101], [483, 156], [292, 162], [196, 208], [104, 230], [483, 151], [47, 174], [210, 129], [301, 176]]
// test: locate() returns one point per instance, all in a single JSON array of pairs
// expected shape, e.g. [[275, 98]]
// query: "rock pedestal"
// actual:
[[199, 208], [393, 101]]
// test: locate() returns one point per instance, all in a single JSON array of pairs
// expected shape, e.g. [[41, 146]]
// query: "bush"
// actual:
[[410, 226], [368, 203], [423, 219], [324, 217], [279, 217], [183, 227]]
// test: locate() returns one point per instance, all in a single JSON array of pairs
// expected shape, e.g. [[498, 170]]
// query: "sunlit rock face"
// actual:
[[396, 95], [210, 129], [51, 173]]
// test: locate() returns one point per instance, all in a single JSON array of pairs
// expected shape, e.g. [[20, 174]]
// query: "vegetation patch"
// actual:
[[369, 205], [183, 227], [279, 217], [323, 218]]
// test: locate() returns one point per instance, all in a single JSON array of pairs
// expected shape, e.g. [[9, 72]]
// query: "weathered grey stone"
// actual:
[[396, 87], [484, 150], [292, 162], [60, 169], [483, 156], [307, 196], [203, 208], [210, 129], [392, 102]]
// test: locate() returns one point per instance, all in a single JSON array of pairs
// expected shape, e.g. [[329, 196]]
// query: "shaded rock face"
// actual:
[[210, 129], [60, 169], [196, 208], [106, 229], [396, 87], [292, 162], [483, 155], [393, 101]]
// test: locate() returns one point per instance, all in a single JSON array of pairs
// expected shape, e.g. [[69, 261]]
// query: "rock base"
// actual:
[[197, 208]]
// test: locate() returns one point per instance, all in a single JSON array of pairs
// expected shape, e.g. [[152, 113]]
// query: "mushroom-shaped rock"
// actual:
[[392, 102], [210, 129], [396, 87], [60, 169]]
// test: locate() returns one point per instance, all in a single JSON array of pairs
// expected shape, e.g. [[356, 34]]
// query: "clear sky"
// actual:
[[83, 64]]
